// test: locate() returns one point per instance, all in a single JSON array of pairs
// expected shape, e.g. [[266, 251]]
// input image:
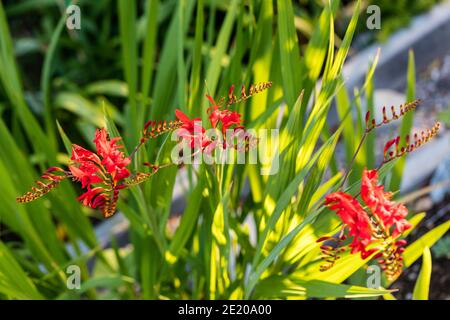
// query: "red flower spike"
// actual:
[[224, 119], [102, 173], [192, 131], [105, 172], [390, 213], [52, 176], [153, 128], [112, 158], [254, 89], [386, 119], [402, 150], [385, 221], [354, 217], [330, 253]]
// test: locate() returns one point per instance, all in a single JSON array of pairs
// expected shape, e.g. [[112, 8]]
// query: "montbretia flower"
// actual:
[[355, 219], [192, 131], [391, 214], [85, 166], [229, 123], [393, 150], [105, 172], [245, 94], [375, 229], [113, 159], [102, 173], [226, 118], [219, 115], [371, 123], [51, 179]]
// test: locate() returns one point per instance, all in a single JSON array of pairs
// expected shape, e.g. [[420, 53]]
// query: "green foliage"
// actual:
[[423, 281], [152, 60]]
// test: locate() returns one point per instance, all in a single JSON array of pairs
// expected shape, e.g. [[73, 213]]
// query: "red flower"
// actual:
[[355, 218], [226, 117], [390, 213], [361, 226], [112, 158], [86, 166], [100, 173], [93, 197], [192, 131]]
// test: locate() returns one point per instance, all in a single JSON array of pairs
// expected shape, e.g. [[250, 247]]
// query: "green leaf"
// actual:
[[9, 77], [415, 249], [46, 79], [187, 224], [258, 269], [114, 88], [289, 52], [194, 83], [81, 107], [343, 268], [422, 285], [215, 65], [285, 197], [291, 287], [65, 138], [13, 280], [149, 47], [128, 40]]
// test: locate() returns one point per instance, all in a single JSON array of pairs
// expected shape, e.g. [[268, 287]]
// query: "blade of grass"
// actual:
[[128, 39], [46, 81], [422, 286]]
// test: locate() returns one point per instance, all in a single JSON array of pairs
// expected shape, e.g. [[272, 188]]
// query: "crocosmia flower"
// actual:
[[105, 172], [390, 213], [102, 173], [355, 219], [375, 229], [225, 117], [192, 131]]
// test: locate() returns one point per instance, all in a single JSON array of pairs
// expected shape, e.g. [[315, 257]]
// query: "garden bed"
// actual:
[[433, 87], [180, 237]]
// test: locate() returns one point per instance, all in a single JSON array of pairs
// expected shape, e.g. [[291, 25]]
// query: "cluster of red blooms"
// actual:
[[378, 228], [374, 229], [104, 173], [221, 119]]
